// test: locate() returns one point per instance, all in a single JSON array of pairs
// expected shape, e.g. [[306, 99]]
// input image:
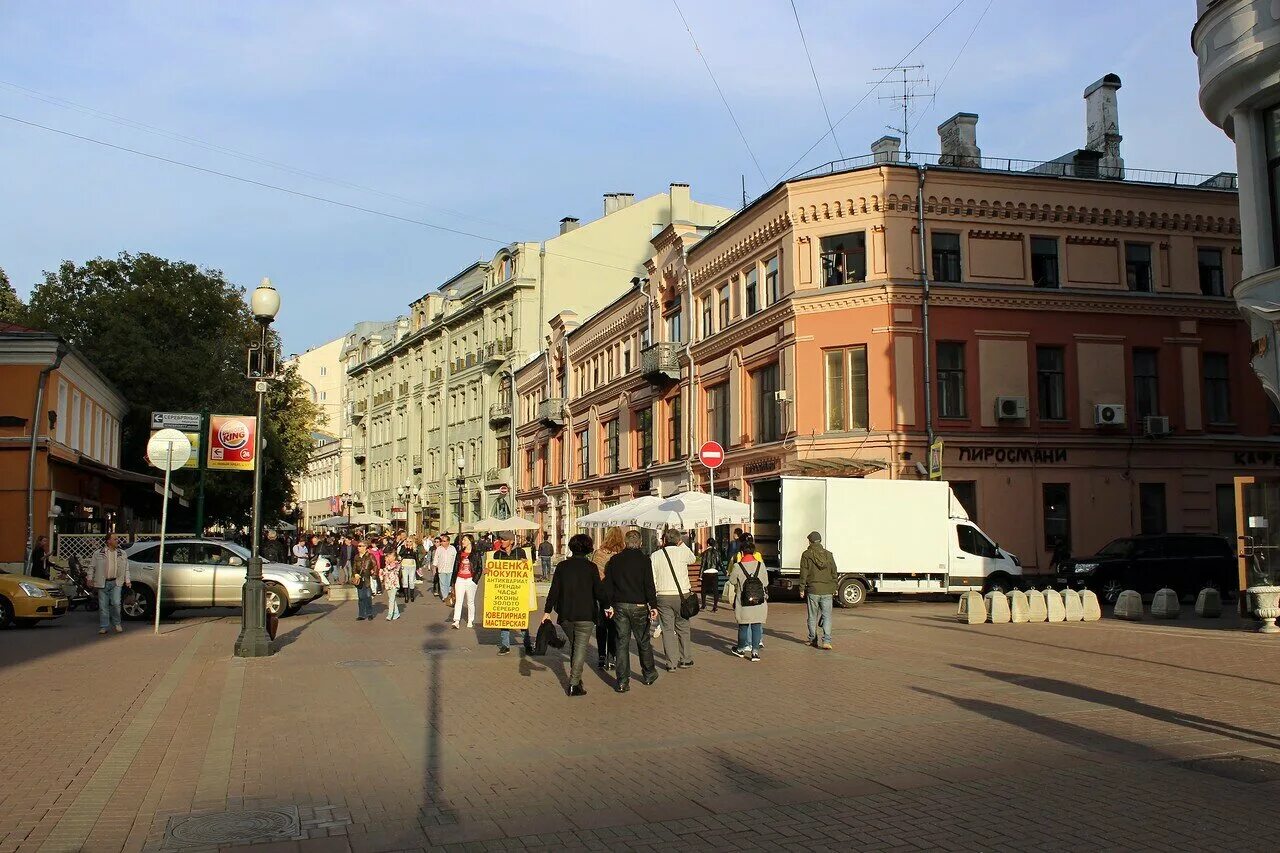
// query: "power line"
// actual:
[[716, 83], [903, 59], [960, 53], [822, 99]]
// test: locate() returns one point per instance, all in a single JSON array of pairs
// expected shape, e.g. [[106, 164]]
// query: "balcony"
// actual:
[[435, 375], [403, 389], [358, 410], [417, 463], [495, 352], [457, 365], [471, 359], [553, 412], [382, 398], [499, 413], [660, 362], [359, 451]]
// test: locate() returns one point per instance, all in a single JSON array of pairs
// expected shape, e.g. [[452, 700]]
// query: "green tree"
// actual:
[[173, 337], [11, 308]]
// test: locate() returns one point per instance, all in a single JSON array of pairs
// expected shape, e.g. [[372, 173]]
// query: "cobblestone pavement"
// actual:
[[914, 733]]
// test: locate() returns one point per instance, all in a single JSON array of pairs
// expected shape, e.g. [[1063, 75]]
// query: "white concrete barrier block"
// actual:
[[1209, 603], [1036, 609], [1166, 605], [997, 607], [1018, 612], [1054, 607], [973, 609], [1129, 606], [1092, 610], [1072, 605]]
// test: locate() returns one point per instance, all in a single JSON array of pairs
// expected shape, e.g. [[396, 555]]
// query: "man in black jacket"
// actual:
[[575, 589], [628, 586]]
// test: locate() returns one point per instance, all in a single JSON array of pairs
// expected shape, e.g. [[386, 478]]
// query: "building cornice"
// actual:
[[735, 252]]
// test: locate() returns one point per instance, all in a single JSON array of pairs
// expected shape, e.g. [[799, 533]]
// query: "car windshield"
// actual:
[[239, 550], [1117, 548]]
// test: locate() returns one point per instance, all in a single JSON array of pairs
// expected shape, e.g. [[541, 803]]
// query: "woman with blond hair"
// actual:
[[606, 630]]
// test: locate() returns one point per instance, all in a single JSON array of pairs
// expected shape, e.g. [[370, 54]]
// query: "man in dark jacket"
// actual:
[[363, 569], [817, 587], [575, 589], [628, 587]]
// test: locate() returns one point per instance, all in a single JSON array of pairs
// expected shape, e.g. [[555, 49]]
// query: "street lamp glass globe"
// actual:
[[265, 302], [462, 463]]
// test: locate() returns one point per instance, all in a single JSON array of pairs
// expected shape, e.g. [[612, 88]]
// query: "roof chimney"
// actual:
[[959, 138], [568, 224], [681, 206], [1102, 125], [886, 149], [610, 203]]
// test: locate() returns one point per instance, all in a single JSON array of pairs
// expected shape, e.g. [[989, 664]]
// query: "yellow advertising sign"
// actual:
[[508, 593]]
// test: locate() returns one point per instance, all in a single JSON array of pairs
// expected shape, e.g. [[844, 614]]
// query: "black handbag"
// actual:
[[689, 606], [547, 636]]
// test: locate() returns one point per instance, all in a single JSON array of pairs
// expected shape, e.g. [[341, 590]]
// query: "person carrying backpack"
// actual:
[[748, 579]]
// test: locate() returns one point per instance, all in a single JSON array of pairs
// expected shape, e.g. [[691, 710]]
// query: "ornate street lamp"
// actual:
[[462, 485], [253, 641]]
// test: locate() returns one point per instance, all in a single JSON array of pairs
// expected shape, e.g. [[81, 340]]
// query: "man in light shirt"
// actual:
[[443, 560], [108, 572], [671, 582]]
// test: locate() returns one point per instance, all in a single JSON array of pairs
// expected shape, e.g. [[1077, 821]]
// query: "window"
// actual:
[[584, 455], [611, 447], [771, 289], [673, 327], [1225, 499], [946, 256], [835, 391], [61, 426], [1044, 261], [844, 259], [751, 290], [626, 357], [1137, 266], [1051, 383], [768, 412], [675, 435], [544, 458], [706, 317], [1057, 515], [973, 542], [966, 492], [1146, 382], [951, 390], [718, 414], [1151, 508], [722, 305], [1217, 388], [324, 371], [1271, 132], [504, 451], [528, 469], [1210, 263], [847, 402], [75, 419], [644, 437]]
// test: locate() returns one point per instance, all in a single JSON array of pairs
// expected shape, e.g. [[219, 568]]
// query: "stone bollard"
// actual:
[[1092, 610], [1166, 605], [1018, 612], [1072, 605], [1209, 603], [997, 604], [973, 609], [1056, 610], [1036, 609], [1129, 606]]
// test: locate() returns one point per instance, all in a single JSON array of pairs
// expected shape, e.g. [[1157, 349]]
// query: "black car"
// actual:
[[1185, 562]]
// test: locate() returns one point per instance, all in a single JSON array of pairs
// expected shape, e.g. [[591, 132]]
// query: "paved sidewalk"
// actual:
[[915, 733]]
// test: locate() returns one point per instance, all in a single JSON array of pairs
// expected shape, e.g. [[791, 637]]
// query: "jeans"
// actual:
[[408, 578], [109, 604], [711, 587], [364, 602], [546, 566], [579, 635], [606, 637], [465, 595], [446, 583], [675, 630], [633, 619], [393, 603], [819, 607], [504, 638], [750, 636]]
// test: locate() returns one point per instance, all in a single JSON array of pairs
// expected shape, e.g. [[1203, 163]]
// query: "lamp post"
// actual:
[[462, 485], [253, 641], [347, 497]]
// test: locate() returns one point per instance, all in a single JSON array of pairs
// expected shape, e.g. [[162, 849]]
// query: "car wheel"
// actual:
[[851, 592], [136, 603], [1111, 589], [6, 612], [277, 600]]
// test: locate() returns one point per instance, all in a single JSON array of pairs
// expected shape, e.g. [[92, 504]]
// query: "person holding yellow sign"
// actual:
[[509, 594]]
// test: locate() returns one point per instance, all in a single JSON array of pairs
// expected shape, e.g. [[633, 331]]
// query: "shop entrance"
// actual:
[[1257, 533]]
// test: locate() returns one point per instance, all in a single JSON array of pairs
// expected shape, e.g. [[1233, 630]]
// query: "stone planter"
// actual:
[[1266, 606]]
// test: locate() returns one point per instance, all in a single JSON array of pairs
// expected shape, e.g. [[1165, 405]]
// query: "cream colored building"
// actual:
[[323, 482], [320, 369]]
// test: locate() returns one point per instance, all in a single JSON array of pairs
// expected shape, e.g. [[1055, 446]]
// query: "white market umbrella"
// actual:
[[332, 521], [614, 516], [368, 518], [689, 511], [489, 523]]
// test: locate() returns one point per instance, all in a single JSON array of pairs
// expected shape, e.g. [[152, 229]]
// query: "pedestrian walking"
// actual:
[[747, 580], [576, 593], [670, 566], [445, 557], [545, 552], [503, 550], [711, 563], [817, 588], [606, 628], [375, 551], [735, 546], [468, 579], [407, 557], [391, 582], [40, 558], [362, 572], [108, 573], [628, 584]]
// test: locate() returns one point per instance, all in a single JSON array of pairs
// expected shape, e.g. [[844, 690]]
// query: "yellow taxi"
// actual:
[[25, 600]]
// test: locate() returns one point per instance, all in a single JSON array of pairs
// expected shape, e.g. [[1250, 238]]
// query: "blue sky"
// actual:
[[499, 118]]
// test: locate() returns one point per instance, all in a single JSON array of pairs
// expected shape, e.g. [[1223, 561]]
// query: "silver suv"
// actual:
[[209, 573]]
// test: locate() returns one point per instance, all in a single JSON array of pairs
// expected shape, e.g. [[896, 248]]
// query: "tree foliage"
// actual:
[[174, 337], [11, 308]]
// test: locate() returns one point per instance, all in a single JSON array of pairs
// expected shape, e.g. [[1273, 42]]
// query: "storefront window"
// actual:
[[1056, 501], [1151, 505]]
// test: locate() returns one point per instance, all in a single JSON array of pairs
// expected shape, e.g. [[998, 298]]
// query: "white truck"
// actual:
[[894, 536]]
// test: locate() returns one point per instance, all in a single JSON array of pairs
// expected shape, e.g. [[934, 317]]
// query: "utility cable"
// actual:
[[821, 98], [938, 88]]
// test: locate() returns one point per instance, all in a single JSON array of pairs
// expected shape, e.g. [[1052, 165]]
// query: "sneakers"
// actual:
[[813, 641], [471, 624], [504, 650], [742, 653], [826, 647], [577, 690], [685, 664], [755, 657], [119, 629], [454, 625], [102, 631]]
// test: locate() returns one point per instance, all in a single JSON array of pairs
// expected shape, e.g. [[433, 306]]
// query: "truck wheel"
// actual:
[[999, 582], [851, 592]]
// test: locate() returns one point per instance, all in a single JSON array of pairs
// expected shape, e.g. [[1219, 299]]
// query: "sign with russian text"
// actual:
[[508, 593], [1014, 455], [231, 442], [935, 459], [181, 421]]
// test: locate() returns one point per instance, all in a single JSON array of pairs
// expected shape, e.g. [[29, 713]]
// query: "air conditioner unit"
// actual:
[[1156, 426], [1011, 408], [781, 396], [1108, 414]]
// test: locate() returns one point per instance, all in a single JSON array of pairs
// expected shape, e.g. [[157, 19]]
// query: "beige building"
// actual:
[[322, 484], [320, 369]]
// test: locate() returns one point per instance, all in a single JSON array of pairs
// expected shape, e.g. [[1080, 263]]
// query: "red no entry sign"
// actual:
[[711, 455]]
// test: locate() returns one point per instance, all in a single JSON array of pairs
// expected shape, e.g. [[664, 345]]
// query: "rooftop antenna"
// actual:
[[908, 95], [744, 190]]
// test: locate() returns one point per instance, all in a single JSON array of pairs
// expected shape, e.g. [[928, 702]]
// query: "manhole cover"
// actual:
[[233, 827], [361, 664], [1238, 768]]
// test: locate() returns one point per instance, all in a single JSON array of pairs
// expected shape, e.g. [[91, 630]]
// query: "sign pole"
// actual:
[[711, 472], [167, 449], [164, 524], [202, 466]]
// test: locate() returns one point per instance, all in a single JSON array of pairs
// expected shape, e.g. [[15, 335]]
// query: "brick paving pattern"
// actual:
[[916, 733]]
